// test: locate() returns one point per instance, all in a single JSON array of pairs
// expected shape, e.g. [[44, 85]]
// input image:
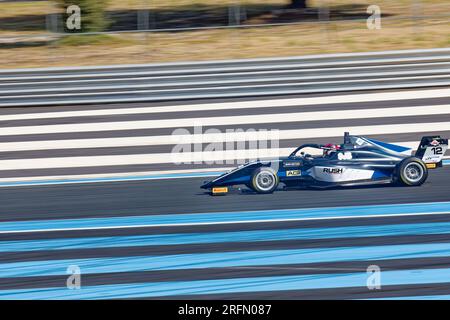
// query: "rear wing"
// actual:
[[431, 150]]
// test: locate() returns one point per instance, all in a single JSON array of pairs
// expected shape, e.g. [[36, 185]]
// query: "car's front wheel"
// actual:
[[412, 172], [264, 180]]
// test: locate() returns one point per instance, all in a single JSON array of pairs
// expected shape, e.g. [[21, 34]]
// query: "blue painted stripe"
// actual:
[[390, 146], [257, 284], [228, 217], [119, 179], [430, 297], [224, 259], [217, 237]]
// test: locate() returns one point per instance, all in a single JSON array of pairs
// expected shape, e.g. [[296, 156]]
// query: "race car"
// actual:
[[358, 161]]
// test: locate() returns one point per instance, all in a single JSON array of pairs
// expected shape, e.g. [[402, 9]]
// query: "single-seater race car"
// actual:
[[358, 161]]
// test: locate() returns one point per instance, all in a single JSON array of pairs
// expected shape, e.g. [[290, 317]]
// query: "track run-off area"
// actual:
[[93, 187]]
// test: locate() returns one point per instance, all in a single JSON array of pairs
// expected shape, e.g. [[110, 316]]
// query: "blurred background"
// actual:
[[35, 33]]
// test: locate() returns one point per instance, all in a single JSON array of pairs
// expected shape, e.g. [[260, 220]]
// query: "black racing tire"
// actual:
[[264, 180], [412, 172]]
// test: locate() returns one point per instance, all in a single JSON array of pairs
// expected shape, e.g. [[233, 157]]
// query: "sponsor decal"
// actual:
[[292, 164], [434, 154], [333, 170], [336, 174], [292, 173], [431, 165], [434, 143], [216, 190], [359, 142]]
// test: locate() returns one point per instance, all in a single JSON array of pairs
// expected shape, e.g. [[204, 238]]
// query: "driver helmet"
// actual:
[[329, 148]]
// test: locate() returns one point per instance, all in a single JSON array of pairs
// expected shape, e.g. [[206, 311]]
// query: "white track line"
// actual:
[[221, 137], [370, 97], [217, 157], [231, 120], [122, 160], [183, 173]]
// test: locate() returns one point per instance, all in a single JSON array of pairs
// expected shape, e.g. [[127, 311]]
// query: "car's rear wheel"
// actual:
[[264, 180], [412, 172]]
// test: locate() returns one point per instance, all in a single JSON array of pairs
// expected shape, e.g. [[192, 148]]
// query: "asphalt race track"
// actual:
[[178, 196], [136, 230], [139, 261]]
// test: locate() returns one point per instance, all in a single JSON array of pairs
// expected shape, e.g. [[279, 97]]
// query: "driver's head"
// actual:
[[329, 148]]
